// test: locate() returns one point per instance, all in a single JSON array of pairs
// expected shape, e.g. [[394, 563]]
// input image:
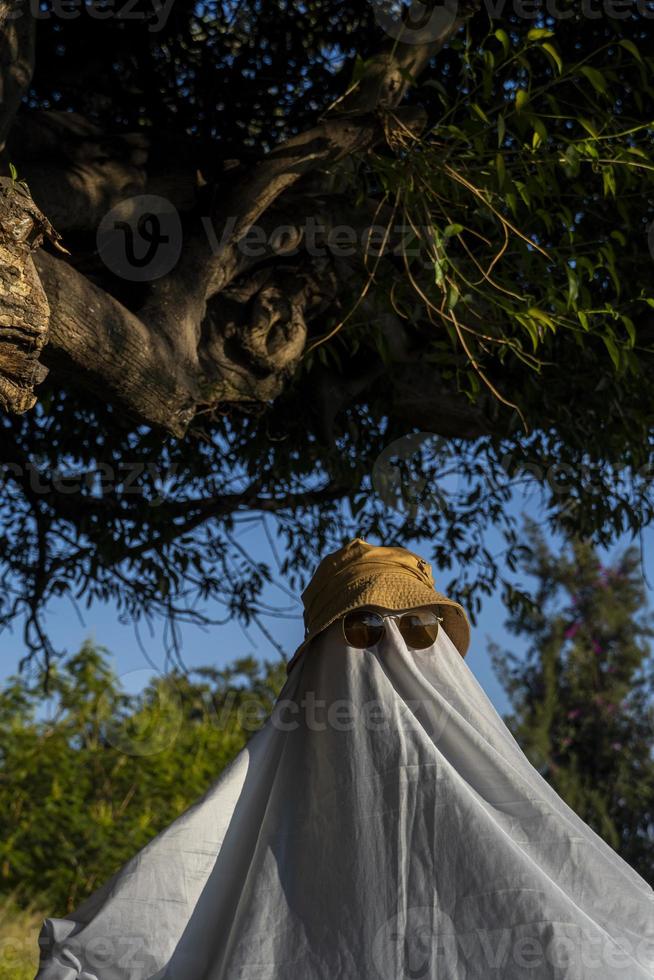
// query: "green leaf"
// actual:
[[501, 130], [531, 329], [554, 55], [589, 127], [608, 181], [573, 287], [503, 38], [612, 349], [512, 201], [596, 79], [452, 230], [523, 192], [541, 315], [480, 112], [13, 172], [474, 382], [521, 99], [631, 329], [638, 151], [584, 263], [571, 161], [501, 170], [536, 33], [539, 126], [631, 48]]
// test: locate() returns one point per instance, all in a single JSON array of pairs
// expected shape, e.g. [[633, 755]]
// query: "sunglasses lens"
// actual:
[[362, 629], [419, 629]]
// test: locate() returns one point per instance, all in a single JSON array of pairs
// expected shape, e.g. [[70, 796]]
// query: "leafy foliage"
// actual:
[[519, 196], [85, 788], [583, 701]]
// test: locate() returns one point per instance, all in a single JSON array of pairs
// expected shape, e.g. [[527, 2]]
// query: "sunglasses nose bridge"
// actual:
[[364, 631], [389, 632], [392, 625]]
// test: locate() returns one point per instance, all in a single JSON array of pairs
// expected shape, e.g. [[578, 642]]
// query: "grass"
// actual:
[[19, 951]]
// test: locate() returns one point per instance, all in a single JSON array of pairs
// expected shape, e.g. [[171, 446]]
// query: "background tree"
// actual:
[[583, 698], [356, 227], [84, 788]]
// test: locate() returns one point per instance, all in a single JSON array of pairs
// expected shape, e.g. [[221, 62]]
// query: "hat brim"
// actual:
[[392, 592]]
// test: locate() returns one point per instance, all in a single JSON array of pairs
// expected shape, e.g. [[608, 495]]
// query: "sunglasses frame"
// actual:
[[383, 616]]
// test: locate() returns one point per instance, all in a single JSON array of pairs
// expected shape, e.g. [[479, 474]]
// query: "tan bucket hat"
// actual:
[[362, 574]]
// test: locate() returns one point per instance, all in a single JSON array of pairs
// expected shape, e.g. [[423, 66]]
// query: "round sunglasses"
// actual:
[[363, 628]]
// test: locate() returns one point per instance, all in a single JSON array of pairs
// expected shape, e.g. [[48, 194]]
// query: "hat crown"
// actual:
[[362, 574], [360, 559]]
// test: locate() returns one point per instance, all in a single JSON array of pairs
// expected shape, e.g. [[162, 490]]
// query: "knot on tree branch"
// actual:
[[24, 309], [254, 334], [276, 334]]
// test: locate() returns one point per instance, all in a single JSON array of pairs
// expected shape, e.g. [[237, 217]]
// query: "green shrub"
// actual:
[[82, 791]]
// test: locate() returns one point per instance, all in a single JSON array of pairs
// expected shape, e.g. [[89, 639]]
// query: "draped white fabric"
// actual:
[[383, 824]]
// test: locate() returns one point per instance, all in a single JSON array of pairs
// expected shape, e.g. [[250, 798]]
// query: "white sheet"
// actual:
[[383, 824]]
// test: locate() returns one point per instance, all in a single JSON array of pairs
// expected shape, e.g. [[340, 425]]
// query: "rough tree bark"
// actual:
[[24, 309]]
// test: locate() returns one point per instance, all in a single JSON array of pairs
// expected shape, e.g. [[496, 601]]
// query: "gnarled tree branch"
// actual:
[[199, 337]]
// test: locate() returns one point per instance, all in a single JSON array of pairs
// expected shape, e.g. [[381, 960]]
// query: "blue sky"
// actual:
[[223, 644]]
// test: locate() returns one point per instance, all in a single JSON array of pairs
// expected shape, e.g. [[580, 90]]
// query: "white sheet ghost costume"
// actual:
[[383, 824]]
